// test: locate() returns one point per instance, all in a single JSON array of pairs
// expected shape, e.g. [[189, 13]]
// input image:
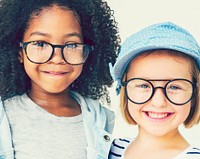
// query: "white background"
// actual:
[[133, 15]]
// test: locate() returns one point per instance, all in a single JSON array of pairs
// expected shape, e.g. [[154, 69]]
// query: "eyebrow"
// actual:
[[73, 34]]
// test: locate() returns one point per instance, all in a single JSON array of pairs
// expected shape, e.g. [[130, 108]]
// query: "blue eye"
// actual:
[[174, 87], [144, 86]]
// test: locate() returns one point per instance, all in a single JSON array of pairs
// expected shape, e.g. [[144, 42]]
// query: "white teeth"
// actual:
[[157, 115]]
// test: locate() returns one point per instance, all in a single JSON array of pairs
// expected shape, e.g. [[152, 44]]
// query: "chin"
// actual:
[[55, 90]]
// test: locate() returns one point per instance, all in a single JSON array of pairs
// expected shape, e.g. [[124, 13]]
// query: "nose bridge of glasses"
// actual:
[[58, 46], [158, 84], [158, 97], [155, 90], [60, 53]]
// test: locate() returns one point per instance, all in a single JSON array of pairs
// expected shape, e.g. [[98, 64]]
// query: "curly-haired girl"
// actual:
[[54, 57]]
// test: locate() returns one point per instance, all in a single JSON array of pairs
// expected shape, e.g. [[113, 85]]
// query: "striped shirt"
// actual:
[[119, 146]]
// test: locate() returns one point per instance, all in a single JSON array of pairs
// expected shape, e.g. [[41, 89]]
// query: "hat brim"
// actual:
[[122, 63]]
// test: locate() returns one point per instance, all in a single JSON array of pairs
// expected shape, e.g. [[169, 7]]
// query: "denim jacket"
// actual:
[[98, 123]]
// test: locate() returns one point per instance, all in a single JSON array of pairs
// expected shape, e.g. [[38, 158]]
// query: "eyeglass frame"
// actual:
[[194, 86], [25, 44]]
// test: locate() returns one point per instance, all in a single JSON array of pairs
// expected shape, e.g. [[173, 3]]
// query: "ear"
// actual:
[[21, 57]]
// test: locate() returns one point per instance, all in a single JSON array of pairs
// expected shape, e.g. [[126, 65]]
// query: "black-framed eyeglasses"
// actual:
[[177, 91], [40, 52]]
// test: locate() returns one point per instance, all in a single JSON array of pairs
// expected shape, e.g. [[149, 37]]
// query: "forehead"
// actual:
[[50, 7], [53, 9], [160, 64], [55, 21]]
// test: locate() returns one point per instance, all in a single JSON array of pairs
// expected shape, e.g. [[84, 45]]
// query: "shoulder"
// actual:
[[118, 148], [95, 112], [103, 116], [190, 153], [193, 150], [90, 104]]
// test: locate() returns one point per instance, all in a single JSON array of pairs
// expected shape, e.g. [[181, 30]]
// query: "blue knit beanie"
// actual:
[[158, 36]]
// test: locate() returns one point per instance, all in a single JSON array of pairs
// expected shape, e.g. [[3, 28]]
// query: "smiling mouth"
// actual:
[[156, 115], [55, 73]]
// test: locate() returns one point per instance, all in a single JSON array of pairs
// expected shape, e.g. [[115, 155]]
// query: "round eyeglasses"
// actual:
[[40, 52], [177, 91]]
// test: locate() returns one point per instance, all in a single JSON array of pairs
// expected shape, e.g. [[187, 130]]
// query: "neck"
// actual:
[[60, 104], [156, 147], [172, 139]]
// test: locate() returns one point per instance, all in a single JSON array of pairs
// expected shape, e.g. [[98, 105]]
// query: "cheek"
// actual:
[[183, 111], [134, 110], [78, 69], [30, 68]]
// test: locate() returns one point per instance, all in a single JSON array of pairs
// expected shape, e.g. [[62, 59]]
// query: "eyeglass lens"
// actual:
[[178, 91], [41, 52]]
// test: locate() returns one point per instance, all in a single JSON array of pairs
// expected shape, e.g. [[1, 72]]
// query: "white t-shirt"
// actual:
[[38, 134]]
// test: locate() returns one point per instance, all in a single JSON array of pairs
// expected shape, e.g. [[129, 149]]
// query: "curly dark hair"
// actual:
[[99, 28]]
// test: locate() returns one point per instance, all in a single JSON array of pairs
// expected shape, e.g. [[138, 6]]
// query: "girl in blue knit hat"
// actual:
[[158, 77]]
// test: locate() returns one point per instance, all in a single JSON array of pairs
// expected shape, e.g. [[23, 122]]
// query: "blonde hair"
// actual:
[[194, 115]]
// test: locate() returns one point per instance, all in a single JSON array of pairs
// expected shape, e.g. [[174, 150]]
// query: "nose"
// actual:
[[159, 99], [57, 57]]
